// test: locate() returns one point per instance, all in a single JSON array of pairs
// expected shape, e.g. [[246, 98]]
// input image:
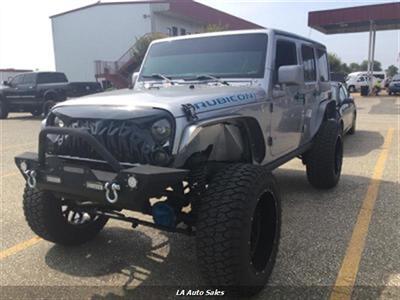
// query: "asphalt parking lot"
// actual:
[[348, 236]]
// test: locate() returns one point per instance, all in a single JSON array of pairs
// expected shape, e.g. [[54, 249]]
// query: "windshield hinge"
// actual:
[[190, 112]]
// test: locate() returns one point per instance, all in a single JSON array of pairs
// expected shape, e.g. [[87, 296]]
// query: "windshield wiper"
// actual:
[[208, 76], [159, 76]]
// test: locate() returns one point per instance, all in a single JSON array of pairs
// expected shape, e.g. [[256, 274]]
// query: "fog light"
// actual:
[[132, 182], [23, 166], [161, 157]]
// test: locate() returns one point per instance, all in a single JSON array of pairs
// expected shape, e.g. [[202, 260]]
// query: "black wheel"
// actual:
[[3, 110], [352, 89], [352, 130], [324, 160], [47, 107], [238, 229], [54, 220], [390, 93], [36, 112]]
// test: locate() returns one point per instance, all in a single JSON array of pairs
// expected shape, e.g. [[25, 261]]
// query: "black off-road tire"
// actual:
[[3, 110], [36, 112], [44, 216], [352, 89], [47, 107], [352, 130], [241, 201], [324, 160]]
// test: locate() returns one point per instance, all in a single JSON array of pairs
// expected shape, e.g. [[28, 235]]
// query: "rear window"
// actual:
[[51, 78], [322, 65], [307, 54]]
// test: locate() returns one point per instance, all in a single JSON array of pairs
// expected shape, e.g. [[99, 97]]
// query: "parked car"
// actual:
[[394, 85], [354, 83], [346, 108], [208, 118], [37, 92]]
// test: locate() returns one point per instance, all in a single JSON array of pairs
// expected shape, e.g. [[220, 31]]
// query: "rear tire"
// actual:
[[47, 107], [36, 112], [324, 160], [45, 216], [238, 229], [3, 110]]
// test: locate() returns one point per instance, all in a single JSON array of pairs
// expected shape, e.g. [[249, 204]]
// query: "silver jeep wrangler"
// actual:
[[192, 144]]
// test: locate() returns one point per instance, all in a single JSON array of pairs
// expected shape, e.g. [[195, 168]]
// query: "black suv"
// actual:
[[37, 92]]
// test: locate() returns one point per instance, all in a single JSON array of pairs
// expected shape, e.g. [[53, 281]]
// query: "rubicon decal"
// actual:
[[245, 97]]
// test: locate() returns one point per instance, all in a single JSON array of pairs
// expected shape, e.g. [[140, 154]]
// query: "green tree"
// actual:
[[140, 48], [345, 68], [364, 66], [391, 70], [354, 67], [335, 63]]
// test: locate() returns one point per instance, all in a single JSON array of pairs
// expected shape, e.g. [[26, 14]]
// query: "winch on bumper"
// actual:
[[104, 183]]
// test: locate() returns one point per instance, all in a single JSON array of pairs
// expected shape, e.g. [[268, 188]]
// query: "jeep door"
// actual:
[[287, 104]]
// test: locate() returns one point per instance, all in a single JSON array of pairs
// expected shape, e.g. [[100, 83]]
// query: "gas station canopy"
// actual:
[[356, 19]]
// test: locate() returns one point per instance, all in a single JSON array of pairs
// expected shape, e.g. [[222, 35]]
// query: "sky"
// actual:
[[26, 37]]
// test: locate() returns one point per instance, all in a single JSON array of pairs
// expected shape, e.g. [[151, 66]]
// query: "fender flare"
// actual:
[[250, 132], [326, 111], [50, 92]]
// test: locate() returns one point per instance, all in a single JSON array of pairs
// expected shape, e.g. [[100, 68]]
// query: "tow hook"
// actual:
[[31, 180], [112, 191]]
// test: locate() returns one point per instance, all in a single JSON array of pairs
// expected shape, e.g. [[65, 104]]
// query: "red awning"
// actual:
[[356, 19]]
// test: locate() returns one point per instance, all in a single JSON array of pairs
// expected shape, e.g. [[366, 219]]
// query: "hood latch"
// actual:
[[190, 112]]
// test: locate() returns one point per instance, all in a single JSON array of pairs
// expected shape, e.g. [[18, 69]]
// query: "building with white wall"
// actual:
[[104, 31]]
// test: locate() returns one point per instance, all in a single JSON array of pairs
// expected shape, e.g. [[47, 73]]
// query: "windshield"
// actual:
[[232, 56], [396, 78]]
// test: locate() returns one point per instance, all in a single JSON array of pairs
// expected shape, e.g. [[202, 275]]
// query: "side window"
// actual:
[[335, 95], [17, 80], [322, 65], [286, 55], [307, 53], [360, 79], [174, 31], [342, 94], [29, 79]]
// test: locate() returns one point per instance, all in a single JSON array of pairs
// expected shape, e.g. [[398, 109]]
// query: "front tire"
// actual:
[[238, 229], [3, 110], [324, 160], [36, 112], [47, 217]]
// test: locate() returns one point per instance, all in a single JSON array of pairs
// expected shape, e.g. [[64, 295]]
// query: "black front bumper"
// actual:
[[88, 181]]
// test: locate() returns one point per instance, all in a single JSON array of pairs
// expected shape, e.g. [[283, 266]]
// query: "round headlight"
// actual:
[[161, 129], [58, 122]]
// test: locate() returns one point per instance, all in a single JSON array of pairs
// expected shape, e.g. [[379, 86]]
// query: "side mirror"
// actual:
[[291, 74], [135, 77]]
